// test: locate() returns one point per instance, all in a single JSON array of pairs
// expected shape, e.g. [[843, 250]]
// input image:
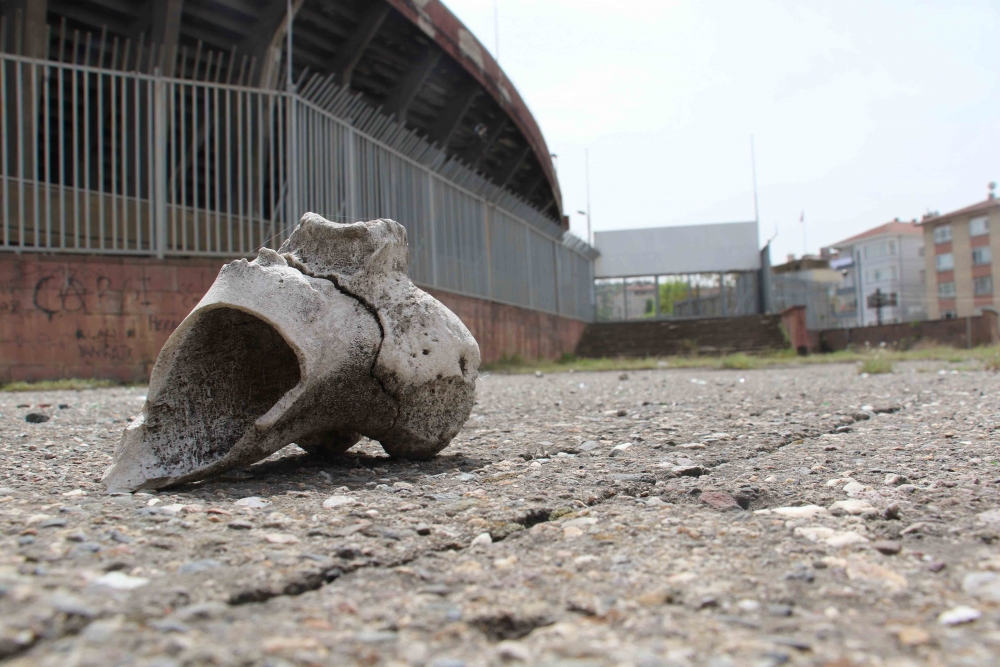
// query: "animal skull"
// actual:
[[319, 343]]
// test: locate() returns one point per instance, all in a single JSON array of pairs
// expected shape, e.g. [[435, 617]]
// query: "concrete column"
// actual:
[[165, 30], [656, 312], [625, 299], [27, 35]]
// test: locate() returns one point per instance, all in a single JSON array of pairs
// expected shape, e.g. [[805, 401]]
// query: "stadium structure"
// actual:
[[144, 142]]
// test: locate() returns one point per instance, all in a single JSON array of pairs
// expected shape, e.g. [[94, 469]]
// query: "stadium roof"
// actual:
[[412, 58]]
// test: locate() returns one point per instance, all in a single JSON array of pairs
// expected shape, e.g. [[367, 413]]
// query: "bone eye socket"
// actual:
[[237, 367]]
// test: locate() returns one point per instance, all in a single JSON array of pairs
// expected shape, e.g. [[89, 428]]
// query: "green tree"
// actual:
[[671, 291]]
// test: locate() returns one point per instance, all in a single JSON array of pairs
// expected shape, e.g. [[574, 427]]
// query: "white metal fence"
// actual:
[[97, 160], [679, 296]]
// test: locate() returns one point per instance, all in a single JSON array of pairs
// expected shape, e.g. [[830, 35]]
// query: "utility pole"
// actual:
[[753, 171], [586, 157], [880, 300]]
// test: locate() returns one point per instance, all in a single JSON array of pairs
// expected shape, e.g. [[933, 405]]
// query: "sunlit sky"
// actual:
[[861, 112]]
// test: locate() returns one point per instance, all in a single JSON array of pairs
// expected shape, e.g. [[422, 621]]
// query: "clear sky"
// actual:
[[861, 112]]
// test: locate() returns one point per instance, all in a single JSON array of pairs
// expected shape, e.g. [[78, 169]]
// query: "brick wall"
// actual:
[[959, 332], [108, 317], [509, 330], [92, 317], [653, 338]]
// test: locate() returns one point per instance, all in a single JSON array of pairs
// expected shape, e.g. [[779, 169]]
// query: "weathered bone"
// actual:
[[319, 343]]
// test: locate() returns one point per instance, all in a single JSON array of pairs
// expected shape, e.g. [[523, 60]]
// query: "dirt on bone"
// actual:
[[232, 370]]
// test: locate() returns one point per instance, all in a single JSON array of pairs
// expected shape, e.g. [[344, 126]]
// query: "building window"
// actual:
[[942, 234], [881, 275], [982, 255], [948, 314], [979, 226], [946, 290], [880, 249], [945, 262], [982, 285]]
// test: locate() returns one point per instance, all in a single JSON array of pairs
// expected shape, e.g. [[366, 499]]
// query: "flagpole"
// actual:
[[805, 246]]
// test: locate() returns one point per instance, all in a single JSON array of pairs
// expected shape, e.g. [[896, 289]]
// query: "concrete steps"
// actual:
[[710, 336]]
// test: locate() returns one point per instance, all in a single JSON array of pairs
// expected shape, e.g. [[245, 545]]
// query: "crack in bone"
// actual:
[[295, 263]]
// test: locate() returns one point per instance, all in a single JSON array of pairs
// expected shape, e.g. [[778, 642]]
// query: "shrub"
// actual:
[[738, 361], [73, 384], [992, 361], [876, 366]]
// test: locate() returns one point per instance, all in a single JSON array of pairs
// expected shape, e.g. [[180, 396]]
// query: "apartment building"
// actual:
[[960, 260], [886, 260]]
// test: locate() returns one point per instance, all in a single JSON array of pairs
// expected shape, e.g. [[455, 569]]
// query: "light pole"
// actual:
[[586, 214]]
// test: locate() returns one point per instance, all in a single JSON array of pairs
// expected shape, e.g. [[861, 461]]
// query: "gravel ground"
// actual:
[[788, 516]]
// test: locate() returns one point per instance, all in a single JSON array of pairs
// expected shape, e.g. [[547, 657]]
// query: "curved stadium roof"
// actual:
[[413, 58]]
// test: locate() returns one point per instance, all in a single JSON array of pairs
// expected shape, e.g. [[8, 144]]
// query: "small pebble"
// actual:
[[252, 502], [959, 615], [887, 547]]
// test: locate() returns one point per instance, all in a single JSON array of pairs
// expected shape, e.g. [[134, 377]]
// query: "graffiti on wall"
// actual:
[[90, 313]]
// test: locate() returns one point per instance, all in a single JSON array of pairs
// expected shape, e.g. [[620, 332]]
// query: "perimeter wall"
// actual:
[[108, 317]]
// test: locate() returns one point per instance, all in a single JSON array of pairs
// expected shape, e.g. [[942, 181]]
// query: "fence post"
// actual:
[[489, 248], [433, 226], [531, 275], [159, 195], [555, 261], [292, 150], [352, 202]]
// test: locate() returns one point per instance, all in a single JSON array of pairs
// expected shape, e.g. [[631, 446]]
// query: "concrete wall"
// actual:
[[714, 248], [108, 317]]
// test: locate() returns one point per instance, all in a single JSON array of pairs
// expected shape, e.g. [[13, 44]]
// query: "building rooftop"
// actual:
[[975, 208], [802, 264], [894, 227]]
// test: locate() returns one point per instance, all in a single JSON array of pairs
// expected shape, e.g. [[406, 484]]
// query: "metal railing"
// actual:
[[679, 296], [96, 160]]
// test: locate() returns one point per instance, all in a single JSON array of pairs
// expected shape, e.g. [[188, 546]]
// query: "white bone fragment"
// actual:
[[318, 344]]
